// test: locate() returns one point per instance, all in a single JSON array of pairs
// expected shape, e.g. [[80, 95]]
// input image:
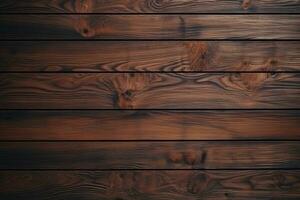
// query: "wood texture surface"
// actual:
[[167, 56], [150, 155], [150, 6], [149, 125], [53, 27], [150, 185], [149, 90], [150, 99]]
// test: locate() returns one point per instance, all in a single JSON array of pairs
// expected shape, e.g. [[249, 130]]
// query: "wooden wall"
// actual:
[[149, 99]]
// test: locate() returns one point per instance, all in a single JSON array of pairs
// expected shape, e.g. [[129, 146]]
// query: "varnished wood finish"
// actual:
[[52, 27], [149, 6], [150, 155], [149, 125], [167, 56], [150, 185], [149, 99], [149, 90]]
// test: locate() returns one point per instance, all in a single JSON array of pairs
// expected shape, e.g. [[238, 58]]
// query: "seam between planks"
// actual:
[[159, 141], [148, 13], [147, 72], [145, 40], [154, 169]]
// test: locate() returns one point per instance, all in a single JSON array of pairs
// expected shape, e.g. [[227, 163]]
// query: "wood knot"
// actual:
[[124, 100], [175, 157], [246, 81], [127, 87], [253, 81], [127, 94], [246, 4], [189, 157], [84, 28], [83, 6], [156, 3], [199, 54], [267, 65]]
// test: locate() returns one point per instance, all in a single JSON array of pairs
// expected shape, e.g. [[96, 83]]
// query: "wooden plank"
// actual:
[[150, 185], [164, 56], [149, 125], [149, 6], [149, 90], [53, 27], [150, 155]]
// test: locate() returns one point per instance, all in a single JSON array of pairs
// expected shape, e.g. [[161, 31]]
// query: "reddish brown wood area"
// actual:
[[149, 6], [149, 90], [149, 56], [149, 99], [149, 125]]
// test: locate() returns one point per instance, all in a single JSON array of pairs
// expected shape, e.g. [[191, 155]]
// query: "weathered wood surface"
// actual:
[[167, 56], [150, 185], [149, 125], [53, 27], [149, 90], [150, 155], [150, 6], [92, 154]]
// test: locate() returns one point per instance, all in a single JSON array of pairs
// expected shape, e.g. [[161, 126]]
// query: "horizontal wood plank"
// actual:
[[53, 27], [150, 155], [149, 6], [150, 185], [149, 90], [149, 125], [167, 56]]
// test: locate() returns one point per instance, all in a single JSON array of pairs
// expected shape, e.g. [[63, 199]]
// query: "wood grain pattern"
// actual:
[[53, 27], [167, 56], [149, 90], [150, 155], [149, 125], [150, 185], [214, 119], [149, 6]]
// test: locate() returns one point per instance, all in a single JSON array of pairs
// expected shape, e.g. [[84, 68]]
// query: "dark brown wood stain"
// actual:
[[149, 125], [154, 27], [150, 155], [153, 185], [149, 99]]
